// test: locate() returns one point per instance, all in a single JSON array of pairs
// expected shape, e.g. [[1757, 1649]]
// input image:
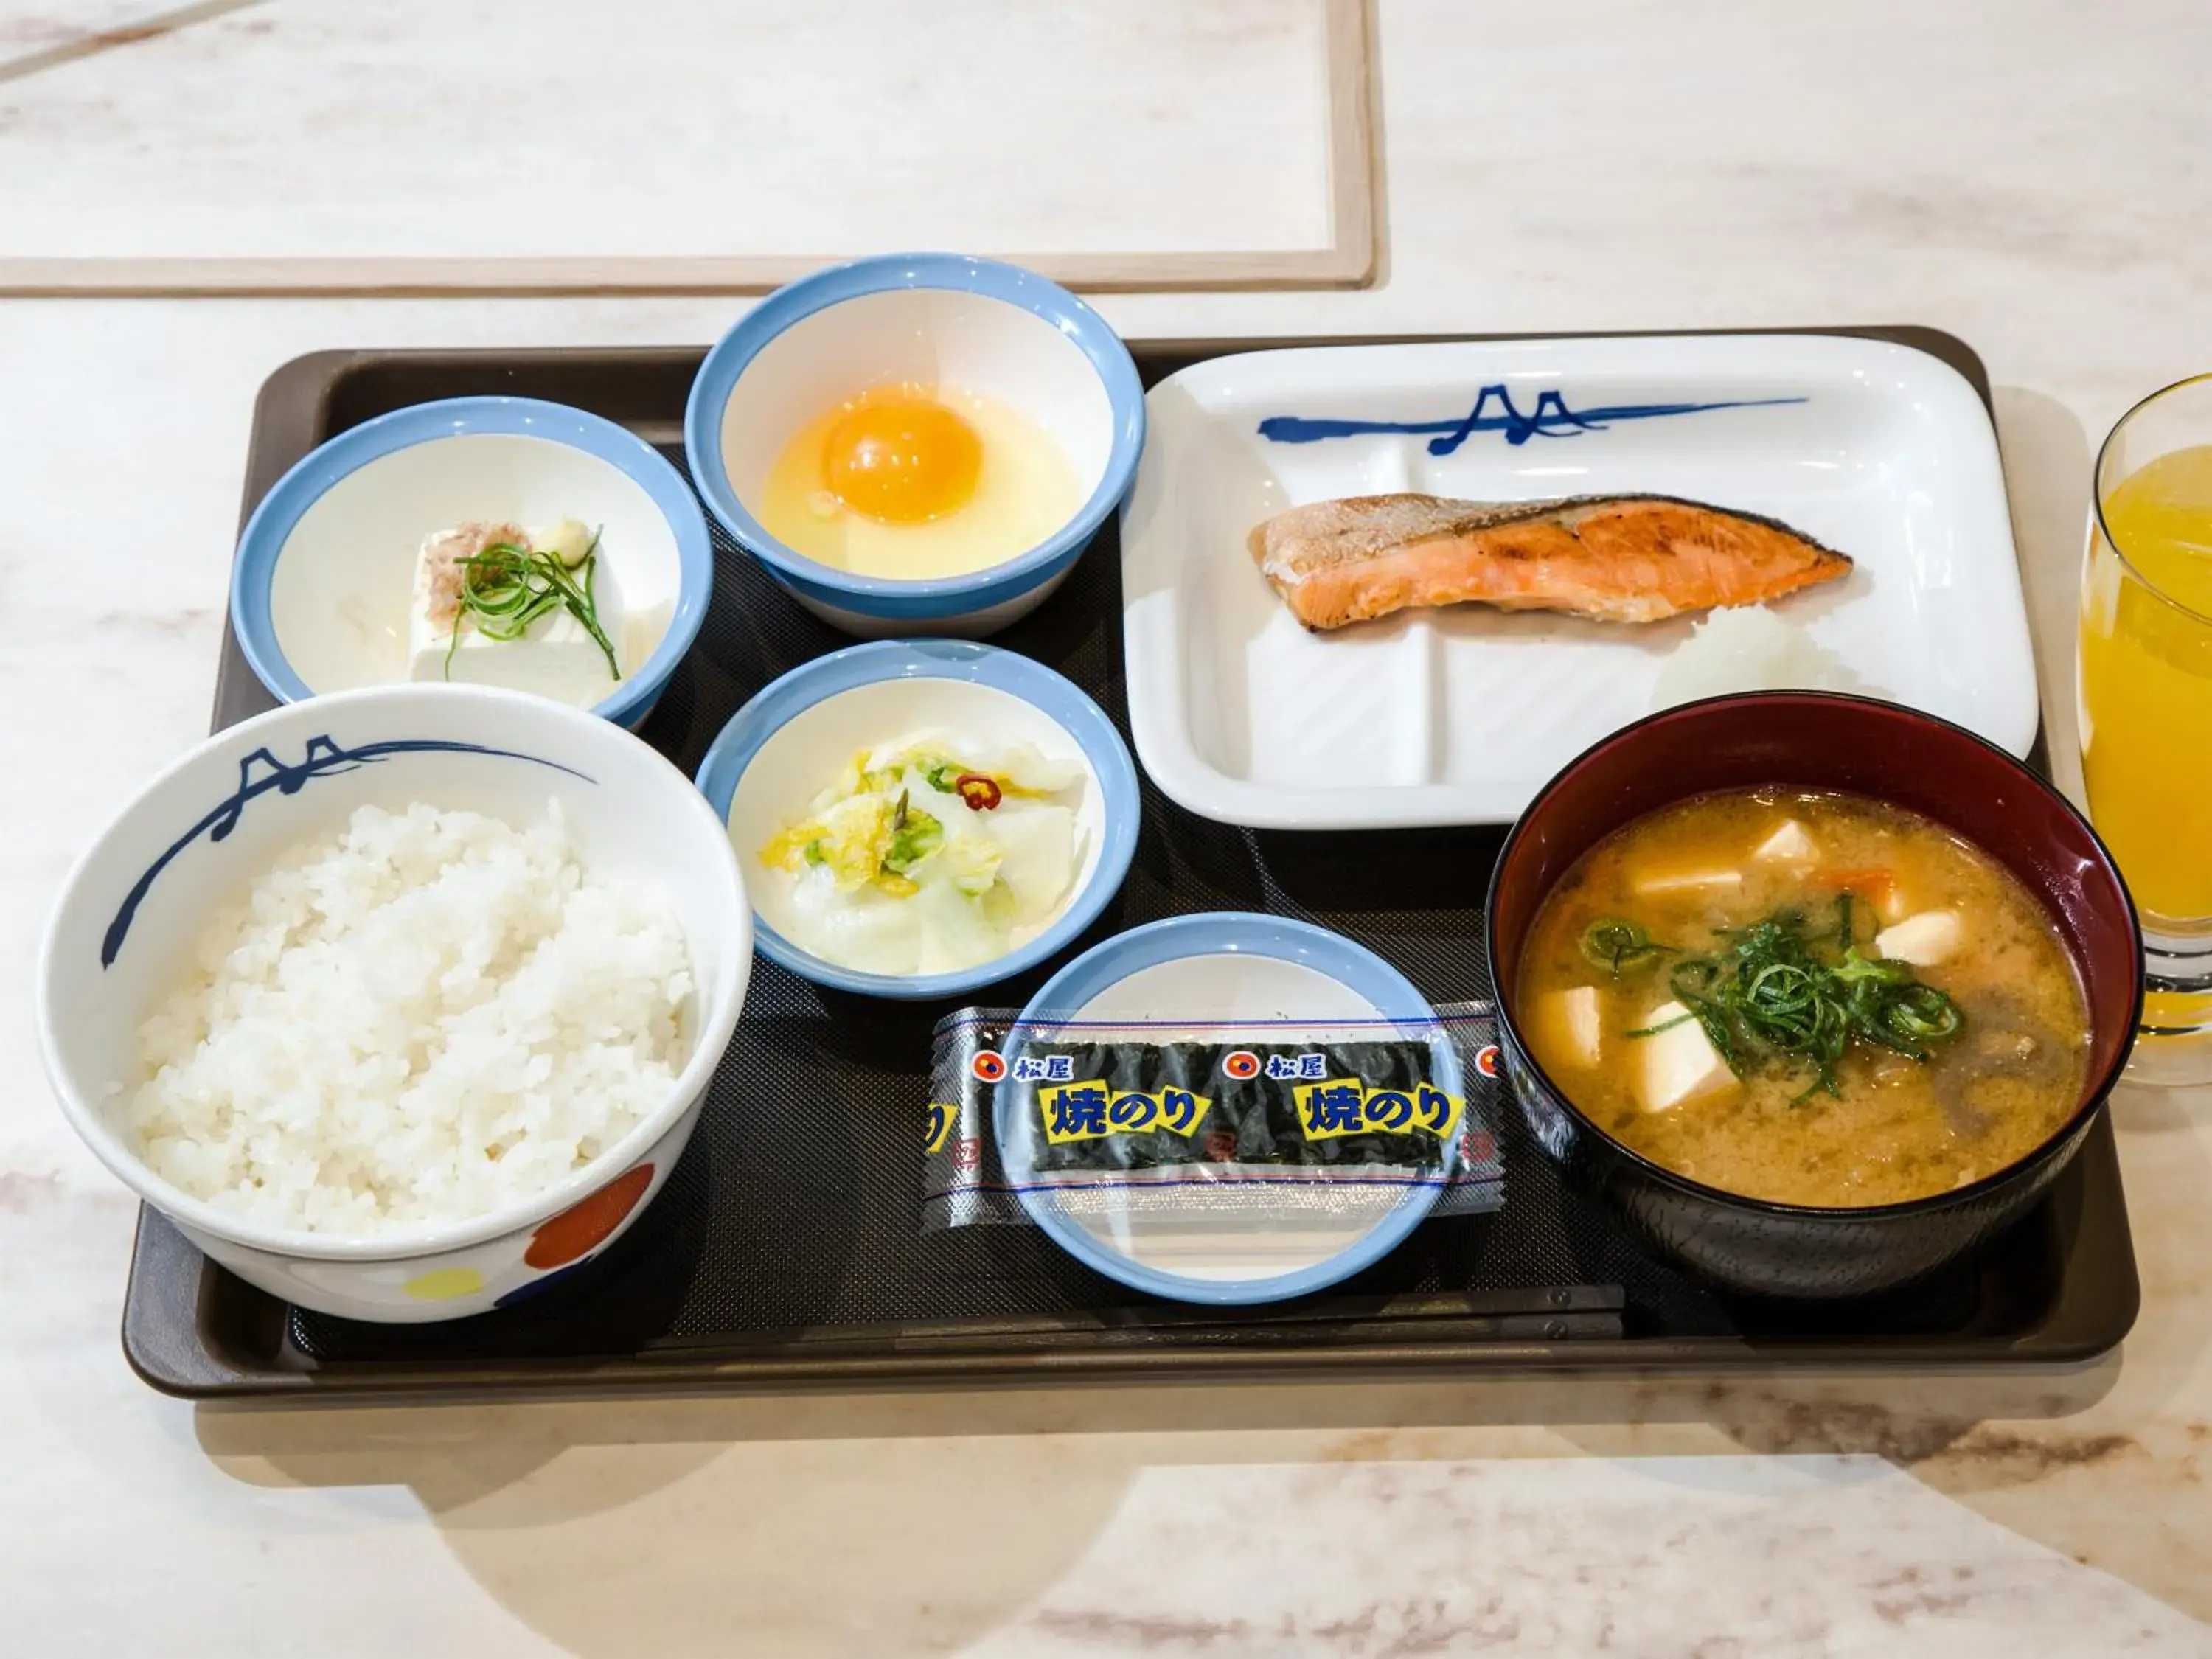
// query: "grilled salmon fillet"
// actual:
[[1611, 559]]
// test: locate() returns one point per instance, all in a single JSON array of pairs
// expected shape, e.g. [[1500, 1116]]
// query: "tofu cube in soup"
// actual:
[[1575, 1020], [1791, 845], [1677, 1065], [1660, 881], [1925, 940]]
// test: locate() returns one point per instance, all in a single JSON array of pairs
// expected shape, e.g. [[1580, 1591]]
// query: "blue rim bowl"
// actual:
[[1224, 932], [938, 598], [261, 544], [781, 701]]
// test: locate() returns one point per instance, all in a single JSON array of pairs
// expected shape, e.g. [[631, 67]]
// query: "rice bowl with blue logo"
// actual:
[[200, 840]]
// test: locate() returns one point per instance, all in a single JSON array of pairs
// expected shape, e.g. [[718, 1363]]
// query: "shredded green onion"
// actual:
[[914, 835], [1617, 945], [1781, 990], [506, 588]]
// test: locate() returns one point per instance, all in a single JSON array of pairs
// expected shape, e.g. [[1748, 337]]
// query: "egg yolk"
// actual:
[[903, 460]]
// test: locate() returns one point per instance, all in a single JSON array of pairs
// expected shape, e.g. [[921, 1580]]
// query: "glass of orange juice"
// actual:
[[2143, 681]]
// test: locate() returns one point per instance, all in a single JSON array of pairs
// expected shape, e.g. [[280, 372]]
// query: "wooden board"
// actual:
[[495, 148]]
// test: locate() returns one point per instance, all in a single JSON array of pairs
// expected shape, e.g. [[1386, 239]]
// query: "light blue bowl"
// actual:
[[931, 319], [1222, 933], [336, 538], [866, 694]]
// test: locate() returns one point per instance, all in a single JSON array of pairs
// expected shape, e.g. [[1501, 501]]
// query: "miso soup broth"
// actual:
[[1816, 999]]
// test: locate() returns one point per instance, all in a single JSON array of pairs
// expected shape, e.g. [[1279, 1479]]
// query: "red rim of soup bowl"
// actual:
[[1892, 754]]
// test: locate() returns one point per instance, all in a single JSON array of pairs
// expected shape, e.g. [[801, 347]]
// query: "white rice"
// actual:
[[426, 1018]]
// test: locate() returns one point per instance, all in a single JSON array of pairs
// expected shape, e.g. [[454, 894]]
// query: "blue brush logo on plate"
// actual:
[[1551, 418], [323, 758]]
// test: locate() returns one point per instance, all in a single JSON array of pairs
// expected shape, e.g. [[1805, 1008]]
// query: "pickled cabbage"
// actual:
[[929, 855]]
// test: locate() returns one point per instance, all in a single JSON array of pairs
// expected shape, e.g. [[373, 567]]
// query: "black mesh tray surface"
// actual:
[[785, 1249]]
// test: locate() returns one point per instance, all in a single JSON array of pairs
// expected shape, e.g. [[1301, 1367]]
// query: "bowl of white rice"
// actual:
[[399, 1003]]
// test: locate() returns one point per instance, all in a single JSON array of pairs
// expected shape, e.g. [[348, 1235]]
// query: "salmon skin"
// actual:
[[1611, 559]]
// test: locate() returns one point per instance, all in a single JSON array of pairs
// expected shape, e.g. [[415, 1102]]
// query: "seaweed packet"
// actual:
[[1254, 1124]]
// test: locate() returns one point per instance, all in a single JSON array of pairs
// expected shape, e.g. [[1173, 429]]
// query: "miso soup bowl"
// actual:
[[1818, 741], [122, 933]]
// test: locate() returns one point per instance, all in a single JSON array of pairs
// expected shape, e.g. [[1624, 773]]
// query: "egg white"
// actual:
[[1026, 489]]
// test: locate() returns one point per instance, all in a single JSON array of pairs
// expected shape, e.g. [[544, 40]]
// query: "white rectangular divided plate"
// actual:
[[1459, 716]]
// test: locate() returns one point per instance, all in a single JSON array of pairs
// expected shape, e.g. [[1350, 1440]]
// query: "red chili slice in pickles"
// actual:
[[982, 794]]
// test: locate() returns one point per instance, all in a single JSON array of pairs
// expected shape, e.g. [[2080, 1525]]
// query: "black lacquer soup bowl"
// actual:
[[1819, 741]]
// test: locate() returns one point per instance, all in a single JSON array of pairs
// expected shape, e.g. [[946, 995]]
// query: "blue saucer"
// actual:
[[1083, 982]]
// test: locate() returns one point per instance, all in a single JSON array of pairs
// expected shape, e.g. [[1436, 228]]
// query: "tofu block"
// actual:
[[1790, 844], [1923, 940], [1678, 1065], [1575, 1022], [1649, 883], [557, 658]]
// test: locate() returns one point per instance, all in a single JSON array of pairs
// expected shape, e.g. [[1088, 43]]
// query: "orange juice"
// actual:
[[2145, 682]]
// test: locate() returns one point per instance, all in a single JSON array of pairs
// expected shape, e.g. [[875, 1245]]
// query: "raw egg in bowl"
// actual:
[[917, 444]]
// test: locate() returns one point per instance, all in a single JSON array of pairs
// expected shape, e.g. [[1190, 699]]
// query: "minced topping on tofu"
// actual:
[[438, 573]]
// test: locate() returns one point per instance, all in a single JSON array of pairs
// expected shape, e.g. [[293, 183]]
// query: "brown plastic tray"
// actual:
[[836, 1286]]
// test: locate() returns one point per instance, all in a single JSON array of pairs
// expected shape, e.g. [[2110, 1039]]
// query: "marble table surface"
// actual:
[[2031, 174]]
